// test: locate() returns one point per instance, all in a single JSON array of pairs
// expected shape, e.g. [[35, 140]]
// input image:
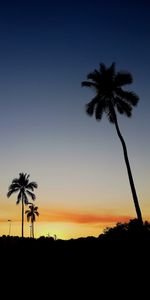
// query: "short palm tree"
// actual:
[[111, 98], [31, 215], [24, 189]]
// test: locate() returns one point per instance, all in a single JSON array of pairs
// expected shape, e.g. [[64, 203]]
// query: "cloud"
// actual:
[[80, 218]]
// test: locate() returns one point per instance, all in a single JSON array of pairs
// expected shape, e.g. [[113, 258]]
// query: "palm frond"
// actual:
[[90, 107], [28, 217], [31, 207], [123, 78], [112, 71], [35, 208], [128, 96], [102, 68], [31, 195], [32, 185], [110, 117], [10, 192], [14, 186], [15, 180], [110, 111], [23, 179], [18, 201], [89, 84], [94, 76], [19, 197], [124, 108], [99, 111]]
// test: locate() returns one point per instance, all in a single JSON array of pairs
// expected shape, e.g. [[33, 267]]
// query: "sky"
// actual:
[[47, 48]]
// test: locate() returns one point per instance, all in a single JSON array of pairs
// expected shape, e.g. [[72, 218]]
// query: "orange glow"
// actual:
[[49, 215], [64, 222]]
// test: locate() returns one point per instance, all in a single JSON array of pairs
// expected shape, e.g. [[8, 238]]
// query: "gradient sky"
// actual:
[[46, 49]]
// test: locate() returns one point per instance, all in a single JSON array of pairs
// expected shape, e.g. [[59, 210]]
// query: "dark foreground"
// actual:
[[118, 260]]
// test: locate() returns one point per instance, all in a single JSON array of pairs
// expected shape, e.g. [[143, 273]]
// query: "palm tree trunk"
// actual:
[[22, 217], [134, 194], [33, 229]]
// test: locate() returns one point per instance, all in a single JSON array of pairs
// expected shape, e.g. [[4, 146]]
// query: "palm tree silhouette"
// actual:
[[109, 97], [31, 214], [24, 188]]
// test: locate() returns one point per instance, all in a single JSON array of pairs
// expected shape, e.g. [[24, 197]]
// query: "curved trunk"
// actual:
[[134, 194], [31, 230], [22, 218]]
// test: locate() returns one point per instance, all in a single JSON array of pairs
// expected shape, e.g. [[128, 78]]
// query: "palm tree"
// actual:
[[24, 188], [31, 214], [109, 98]]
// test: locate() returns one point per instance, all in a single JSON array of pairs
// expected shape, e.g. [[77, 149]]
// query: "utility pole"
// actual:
[[9, 227]]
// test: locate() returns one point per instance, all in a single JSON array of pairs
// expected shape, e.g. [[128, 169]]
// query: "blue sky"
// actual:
[[47, 48]]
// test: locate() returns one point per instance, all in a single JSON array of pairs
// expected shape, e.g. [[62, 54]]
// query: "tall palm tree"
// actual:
[[24, 188], [31, 215], [111, 98]]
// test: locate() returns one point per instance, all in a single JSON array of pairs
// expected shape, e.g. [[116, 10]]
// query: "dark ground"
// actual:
[[115, 265]]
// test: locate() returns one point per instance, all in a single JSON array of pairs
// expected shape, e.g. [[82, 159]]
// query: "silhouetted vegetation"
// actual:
[[125, 235], [31, 215], [127, 232], [104, 264], [24, 188], [111, 98]]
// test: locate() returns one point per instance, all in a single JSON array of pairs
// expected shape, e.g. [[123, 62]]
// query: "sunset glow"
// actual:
[[47, 49]]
